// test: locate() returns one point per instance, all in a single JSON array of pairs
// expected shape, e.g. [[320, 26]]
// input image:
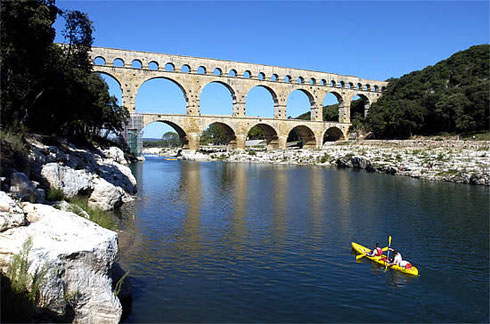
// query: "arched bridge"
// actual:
[[132, 68]]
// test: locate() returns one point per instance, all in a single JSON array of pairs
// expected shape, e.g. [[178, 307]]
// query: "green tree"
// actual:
[[451, 96], [214, 134], [171, 139]]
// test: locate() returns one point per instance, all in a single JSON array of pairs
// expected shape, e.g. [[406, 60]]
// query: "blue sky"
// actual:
[[369, 39]]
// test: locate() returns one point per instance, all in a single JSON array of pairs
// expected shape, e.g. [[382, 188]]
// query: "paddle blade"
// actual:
[[360, 256], [389, 240], [385, 248]]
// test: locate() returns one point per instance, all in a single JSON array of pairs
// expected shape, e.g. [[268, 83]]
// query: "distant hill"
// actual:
[[452, 96]]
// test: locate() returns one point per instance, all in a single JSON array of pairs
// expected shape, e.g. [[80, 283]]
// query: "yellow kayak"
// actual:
[[382, 260], [170, 159]]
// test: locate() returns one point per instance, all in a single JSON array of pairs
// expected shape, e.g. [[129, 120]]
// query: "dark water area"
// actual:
[[225, 242]]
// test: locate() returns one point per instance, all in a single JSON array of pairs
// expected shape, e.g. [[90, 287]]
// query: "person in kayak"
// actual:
[[377, 251], [397, 260]]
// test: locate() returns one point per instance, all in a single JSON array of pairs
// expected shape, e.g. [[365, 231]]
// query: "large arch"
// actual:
[[161, 95], [299, 104], [333, 134], [358, 106], [214, 99], [219, 133], [305, 135], [115, 88], [261, 101], [178, 129], [270, 135], [331, 103]]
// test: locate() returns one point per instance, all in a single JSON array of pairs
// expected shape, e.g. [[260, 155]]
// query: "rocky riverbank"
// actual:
[[67, 261], [448, 160]]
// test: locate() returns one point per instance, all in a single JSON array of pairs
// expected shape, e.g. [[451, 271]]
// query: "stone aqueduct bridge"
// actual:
[[132, 68]]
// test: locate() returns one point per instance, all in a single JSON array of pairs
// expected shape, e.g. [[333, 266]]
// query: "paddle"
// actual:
[[364, 254], [387, 254]]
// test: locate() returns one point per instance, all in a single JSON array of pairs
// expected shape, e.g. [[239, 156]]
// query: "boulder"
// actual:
[[11, 214], [116, 154], [117, 174], [23, 188], [106, 196], [72, 182], [77, 255]]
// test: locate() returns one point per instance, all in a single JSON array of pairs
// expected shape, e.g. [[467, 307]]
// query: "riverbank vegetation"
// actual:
[[49, 88], [451, 97]]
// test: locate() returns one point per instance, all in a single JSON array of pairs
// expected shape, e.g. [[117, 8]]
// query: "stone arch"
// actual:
[[99, 60], [261, 76], [274, 77], [270, 134], [273, 94], [359, 109], [232, 73], [230, 134], [328, 109], [310, 97], [185, 68], [153, 65], [180, 131], [312, 81], [118, 62], [217, 71], [333, 134], [306, 135], [111, 75], [136, 64], [227, 86], [182, 89], [169, 67]]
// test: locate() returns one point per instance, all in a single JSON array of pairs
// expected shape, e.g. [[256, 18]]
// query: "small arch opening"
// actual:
[[169, 67], [185, 68], [287, 78], [247, 74], [312, 81], [118, 63], [274, 77], [136, 64], [300, 80], [201, 70], [217, 71], [153, 65], [232, 73], [99, 60], [261, 76]]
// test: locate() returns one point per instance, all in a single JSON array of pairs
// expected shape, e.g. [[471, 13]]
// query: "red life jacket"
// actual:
[[378, 251]]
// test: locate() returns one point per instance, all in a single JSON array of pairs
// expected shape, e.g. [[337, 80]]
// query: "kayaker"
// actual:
[[398, 260], [377, 251]]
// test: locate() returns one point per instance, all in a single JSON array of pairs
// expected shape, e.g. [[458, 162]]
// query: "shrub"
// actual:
[[55, 194], [101, 217], [21, 281]]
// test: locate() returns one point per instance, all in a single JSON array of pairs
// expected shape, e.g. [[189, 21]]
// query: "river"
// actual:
[[231, 242]]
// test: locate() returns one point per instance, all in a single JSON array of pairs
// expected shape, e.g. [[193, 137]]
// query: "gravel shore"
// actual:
[[447, 160]]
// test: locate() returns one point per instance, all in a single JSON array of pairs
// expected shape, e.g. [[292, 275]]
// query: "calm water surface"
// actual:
[[222, 242]]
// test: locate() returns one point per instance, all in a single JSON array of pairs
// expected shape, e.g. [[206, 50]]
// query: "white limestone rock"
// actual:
[[23, 188], [117, 174], [11, 214], [106, 196], [72, 182], [116, 154], [79, 256]]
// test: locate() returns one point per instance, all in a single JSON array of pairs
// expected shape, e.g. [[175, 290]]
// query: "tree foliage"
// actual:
[[46, 87], [451, 96], [215, 134]]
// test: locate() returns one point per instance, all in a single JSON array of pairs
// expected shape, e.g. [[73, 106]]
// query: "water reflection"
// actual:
[[216, 242]]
